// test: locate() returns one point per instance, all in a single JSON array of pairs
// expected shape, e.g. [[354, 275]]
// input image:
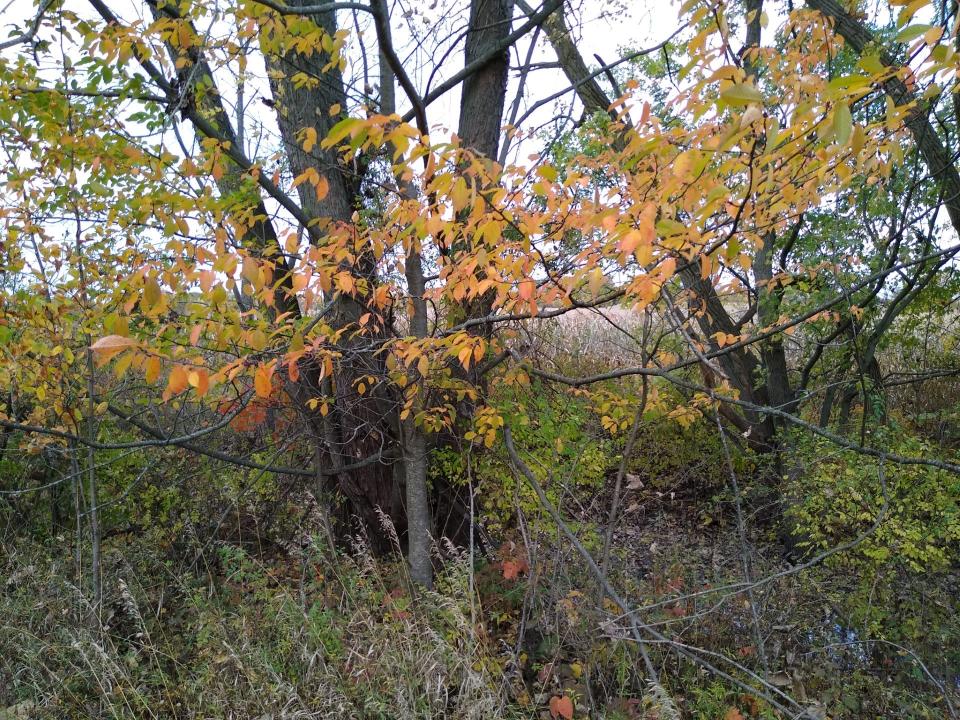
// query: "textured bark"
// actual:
[[354, 428], [484, 92], [481, 110], [307, 105], [772, 353], [741, 367]]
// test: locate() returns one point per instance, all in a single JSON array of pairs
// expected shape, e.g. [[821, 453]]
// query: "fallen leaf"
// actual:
[[561, 707]]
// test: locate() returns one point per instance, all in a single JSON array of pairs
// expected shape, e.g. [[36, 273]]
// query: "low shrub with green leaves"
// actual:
[[898, 583], [561, 439]]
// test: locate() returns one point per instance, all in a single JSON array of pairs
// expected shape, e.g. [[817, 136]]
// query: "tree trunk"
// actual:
[[354, 429]]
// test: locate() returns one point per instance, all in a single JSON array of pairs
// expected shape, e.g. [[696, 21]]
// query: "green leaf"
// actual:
[[338, 132], [912, 32], [741, 94], [872, 64], [842, 123], [849, 81]]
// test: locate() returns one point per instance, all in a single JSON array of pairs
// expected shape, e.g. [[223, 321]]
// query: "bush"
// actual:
[[899, 583]]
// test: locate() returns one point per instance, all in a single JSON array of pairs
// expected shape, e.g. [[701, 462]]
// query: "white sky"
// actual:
[[600, 28]]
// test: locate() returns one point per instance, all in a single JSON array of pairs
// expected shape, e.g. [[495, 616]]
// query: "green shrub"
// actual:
[[898, 584]]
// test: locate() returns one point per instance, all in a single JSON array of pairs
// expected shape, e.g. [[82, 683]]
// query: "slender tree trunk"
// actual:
[[418, 510], [772, 353], [418, 503], [96, 571]]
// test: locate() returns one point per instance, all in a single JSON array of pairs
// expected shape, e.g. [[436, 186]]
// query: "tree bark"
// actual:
[[485, 91], [355, 426]]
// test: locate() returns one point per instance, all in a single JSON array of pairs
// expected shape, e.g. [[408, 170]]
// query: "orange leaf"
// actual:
[[322, 187], [732, 714], [261, 381], [200, 380], [630, 240], [112, 344], [464, 356], [527, 289], [177, 382], [561, 707]]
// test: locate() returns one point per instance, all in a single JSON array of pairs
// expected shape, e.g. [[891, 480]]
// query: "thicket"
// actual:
[[638, 400]]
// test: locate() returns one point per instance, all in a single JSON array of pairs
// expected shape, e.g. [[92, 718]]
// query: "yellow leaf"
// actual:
[[596, 281], [460, 194], [153, 369], [151, 293], [681, 166], [933, 35], [184, 39], [123, 364], [751, 115], [310, 174], [859, 139], [309, 139], [842, 123], [547, 172]]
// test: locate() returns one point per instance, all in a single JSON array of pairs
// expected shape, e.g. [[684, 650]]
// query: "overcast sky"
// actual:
[[421, 31]]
